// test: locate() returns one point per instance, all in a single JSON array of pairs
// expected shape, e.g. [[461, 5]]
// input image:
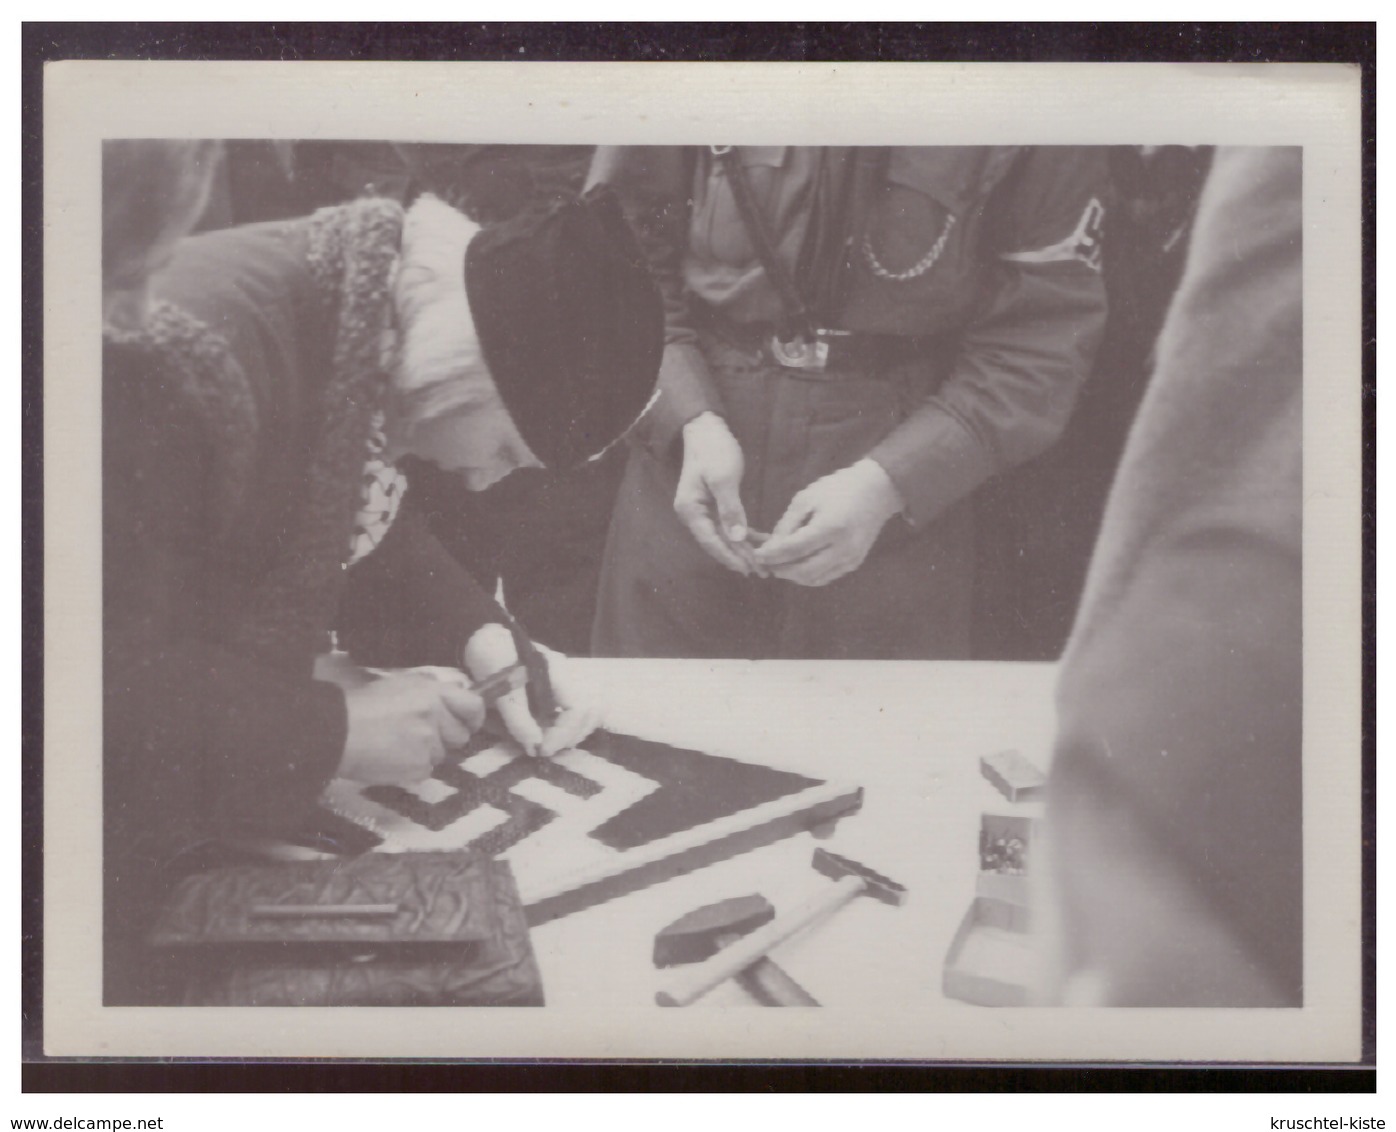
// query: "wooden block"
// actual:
[[453, 934], [1013, 776]]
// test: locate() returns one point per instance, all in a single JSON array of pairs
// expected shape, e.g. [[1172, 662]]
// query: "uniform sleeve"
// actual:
[[197, 736], [1027, 349], [1176, 801], [411, 602], [653, 184]]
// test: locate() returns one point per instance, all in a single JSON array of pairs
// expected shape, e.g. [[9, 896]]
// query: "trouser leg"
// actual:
[[910, 600], [911, 597], [660, 593]]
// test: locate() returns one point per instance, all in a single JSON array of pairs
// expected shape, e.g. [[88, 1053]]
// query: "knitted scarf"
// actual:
[[351, 251], [198, 365]]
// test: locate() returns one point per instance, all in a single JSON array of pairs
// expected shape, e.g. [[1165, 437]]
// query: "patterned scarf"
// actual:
[[351, 252], [383, 487]]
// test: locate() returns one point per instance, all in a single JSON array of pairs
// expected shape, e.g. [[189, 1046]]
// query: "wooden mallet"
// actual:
[[850, 880], [705, 931]]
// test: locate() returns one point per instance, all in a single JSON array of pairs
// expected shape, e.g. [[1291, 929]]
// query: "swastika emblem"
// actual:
[[587, 819]]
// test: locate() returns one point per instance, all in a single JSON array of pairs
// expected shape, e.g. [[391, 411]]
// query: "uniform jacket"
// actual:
[[1011, 309]]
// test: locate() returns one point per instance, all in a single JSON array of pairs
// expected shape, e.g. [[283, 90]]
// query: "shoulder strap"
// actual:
[[847, 182], [797, 312]]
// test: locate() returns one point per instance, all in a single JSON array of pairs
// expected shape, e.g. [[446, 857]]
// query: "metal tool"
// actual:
[[851, 880], [705, 931], [315, 911], [541, 694], [501, 683]]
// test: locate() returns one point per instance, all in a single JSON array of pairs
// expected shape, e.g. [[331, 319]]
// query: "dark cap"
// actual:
[[570, 323]]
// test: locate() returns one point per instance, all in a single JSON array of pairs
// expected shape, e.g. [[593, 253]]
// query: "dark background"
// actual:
[[1040, 624]]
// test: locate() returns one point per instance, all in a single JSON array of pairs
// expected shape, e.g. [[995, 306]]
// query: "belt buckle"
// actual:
[[800, 353]]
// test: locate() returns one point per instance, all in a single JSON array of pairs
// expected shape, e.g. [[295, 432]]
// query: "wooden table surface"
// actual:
[[910, 733]]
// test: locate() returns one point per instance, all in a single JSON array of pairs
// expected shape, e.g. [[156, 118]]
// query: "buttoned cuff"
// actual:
[[934, 460]]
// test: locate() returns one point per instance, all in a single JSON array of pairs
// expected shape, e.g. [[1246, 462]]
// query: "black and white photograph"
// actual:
[[656, 544]]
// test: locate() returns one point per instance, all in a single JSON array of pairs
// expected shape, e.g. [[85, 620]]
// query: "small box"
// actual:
[[1008, 900], [991, 960], [989, 964], [1013, 776], [1005, 844], [1005, 854]]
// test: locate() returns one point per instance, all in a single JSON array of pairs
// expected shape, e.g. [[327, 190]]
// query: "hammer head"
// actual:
[[875, 884], [702, 933]]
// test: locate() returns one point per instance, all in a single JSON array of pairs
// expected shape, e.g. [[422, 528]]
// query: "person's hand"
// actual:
[[337, 668], [490, 649], [830, 526], [402, 724], [707, 500]]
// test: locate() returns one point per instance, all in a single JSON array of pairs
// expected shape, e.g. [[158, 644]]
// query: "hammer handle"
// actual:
[[771, 986], [692, 983]]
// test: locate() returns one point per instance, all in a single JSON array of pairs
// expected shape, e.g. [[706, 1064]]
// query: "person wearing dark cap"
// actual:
[[258, 384]]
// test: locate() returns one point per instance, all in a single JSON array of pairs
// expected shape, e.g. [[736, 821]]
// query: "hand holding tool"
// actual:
[[542, 697]]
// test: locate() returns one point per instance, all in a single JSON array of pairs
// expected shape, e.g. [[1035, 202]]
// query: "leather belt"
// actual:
[[831, 355], [835, 353]]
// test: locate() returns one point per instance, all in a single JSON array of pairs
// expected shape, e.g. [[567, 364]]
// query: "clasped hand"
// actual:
[[708, 500], [831, 525], [825, 533]]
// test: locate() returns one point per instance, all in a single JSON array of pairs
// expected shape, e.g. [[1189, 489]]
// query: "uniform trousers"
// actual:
[[662, 595]]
